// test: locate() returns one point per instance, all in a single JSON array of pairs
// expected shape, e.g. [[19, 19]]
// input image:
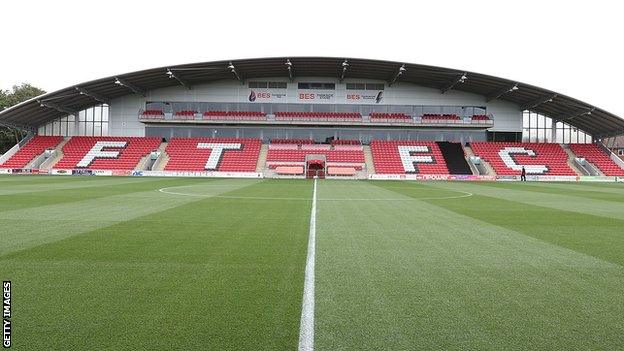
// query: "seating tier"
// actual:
[[126, 152], [33, 148], [194, 154], [389, 156], [507, 158], [594, 154]]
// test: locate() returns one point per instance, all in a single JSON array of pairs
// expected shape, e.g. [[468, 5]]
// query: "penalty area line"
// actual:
[[306, 328]]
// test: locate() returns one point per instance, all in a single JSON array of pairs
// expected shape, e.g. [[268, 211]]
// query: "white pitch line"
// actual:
[[306, 328], [167, 191]]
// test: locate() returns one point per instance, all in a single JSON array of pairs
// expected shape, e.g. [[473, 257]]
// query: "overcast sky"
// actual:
[[572, 47]]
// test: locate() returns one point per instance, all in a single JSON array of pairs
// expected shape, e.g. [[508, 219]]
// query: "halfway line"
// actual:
[[306, 329]]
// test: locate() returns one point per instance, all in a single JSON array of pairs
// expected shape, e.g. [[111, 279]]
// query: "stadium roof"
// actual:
[[50, 106]]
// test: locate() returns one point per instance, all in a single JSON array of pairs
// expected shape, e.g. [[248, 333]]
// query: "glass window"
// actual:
[[374, 86], [277, 85], [317, 86], [258, 85]]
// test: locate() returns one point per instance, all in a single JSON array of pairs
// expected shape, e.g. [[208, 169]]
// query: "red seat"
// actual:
[[597, 156], [33, 148], [184, 155], [294, 151], [387, 158], [438, 118], [550, 156], [235, 115], [316, 116], [390, 117], [129, 155], [345, 142], [153, 114]]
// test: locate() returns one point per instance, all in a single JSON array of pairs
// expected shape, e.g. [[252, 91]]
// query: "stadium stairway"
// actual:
[[368, 159], [264, 151], [147, 164], [58, 155], [486, 167], [454, 157], [162, 160], [572, 163], [468, 153], [600, 158]]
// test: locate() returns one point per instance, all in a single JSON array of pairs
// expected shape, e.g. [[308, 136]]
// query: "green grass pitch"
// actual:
[[217, 264]]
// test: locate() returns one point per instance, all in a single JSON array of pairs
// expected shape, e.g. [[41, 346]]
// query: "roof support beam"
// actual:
[[235, 73], [93, 95], [502, 92], [134, 88], [290, 70], [398, 75], [18, 126], [172, 75], [459, 79], [579, 113], [57, 107], [345, 66], [611, 134], [533, 104]]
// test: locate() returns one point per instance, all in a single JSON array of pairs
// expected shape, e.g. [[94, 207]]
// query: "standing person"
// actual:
[[523, 175]]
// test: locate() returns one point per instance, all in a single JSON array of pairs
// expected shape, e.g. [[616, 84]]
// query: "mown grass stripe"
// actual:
[[43, 224], [413, 273], [306, 329]]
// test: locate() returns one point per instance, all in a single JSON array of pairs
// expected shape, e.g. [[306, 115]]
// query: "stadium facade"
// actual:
[[361, 118]]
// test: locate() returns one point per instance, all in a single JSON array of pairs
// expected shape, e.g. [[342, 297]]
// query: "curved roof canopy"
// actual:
[[47, 107]]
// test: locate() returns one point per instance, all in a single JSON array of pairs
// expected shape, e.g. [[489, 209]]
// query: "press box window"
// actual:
[[277, 85], [365, 86], [317, 86], [269, 85]]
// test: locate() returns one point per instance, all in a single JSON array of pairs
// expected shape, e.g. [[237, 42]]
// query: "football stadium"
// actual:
[[312, 203]]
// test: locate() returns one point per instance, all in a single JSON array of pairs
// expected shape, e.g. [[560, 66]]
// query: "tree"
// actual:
[[8, 98]]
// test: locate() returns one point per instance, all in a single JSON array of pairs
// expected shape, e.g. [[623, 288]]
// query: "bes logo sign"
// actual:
[[263, 95], [377, 98]]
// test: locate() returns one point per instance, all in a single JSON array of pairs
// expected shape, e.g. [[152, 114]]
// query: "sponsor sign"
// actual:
[[321, 96], [545, 178], [538, 178], [266, 95], [21, 171], [100, 172], [208, 174], [5, 171], [81, 172], [598, 179], [363, 97], [425, 177], [121, 173], [506, 178], [61, 172]]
